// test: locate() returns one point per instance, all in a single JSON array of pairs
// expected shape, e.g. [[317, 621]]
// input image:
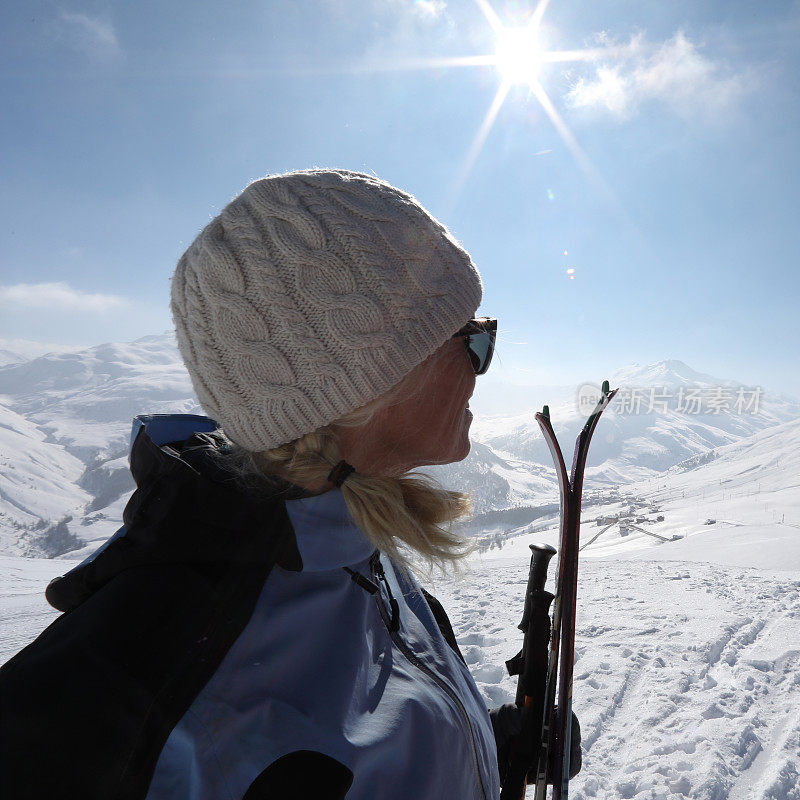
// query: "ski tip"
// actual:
[[606, 387], [546, 411]]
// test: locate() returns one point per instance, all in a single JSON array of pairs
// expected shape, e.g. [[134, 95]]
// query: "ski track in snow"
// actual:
[[24, 612], [687, 675]]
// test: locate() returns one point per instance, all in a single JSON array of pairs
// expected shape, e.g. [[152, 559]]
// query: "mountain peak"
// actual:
[[669, 372]]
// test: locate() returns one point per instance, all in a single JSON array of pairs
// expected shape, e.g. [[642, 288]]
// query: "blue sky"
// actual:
[[668, 181]]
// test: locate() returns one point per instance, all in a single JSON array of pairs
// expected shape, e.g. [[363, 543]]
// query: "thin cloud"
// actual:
[[90, 35], [58, 297], [428, 9], [675, 73], [14, 350], [425, 10], [406, 34]]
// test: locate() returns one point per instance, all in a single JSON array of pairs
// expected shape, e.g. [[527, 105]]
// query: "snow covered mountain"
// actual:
[[9, 357], [65, 423], [729, 497], [663, 414]]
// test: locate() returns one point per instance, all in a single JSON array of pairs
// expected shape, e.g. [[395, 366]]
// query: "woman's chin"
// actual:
[[458, 452], [462, 451]]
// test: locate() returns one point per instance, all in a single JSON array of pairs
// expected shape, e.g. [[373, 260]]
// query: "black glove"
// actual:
[[507, 722]]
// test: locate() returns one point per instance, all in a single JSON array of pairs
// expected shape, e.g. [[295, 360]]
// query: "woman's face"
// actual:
[[429, 424]]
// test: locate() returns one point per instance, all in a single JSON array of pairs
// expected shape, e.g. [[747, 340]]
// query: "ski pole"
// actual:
[[531, 666]]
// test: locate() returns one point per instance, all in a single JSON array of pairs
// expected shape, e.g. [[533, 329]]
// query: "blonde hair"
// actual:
[[408, 517]]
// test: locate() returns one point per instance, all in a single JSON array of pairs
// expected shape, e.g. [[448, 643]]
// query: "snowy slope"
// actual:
[[65, 419], [686, 674], [742, 486], [496, 481], [9, 357], [38, 482], [86, 400]]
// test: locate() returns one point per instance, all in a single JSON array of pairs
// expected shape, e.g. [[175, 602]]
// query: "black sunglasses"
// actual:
[[479, 335]]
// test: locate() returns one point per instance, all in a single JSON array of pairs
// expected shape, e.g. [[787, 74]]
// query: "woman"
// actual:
[[255, 630]]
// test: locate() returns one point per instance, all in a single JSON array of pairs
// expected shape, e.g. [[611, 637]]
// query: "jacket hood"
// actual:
[[186, 508]]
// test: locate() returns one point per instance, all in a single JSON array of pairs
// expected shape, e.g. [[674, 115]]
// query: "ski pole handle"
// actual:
[[531, 665], [534, 626]]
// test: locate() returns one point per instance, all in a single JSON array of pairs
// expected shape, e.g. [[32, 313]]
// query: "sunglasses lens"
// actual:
[[480, 347], [479, 336]]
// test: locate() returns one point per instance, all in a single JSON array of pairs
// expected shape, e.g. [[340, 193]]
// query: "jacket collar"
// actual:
[[185, 509], [326, 535]]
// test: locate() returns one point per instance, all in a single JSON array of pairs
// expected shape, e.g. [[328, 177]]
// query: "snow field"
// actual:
[[687, 675], [24, 613]]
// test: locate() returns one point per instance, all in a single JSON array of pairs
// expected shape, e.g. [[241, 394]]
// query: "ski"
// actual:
[[556, 732]]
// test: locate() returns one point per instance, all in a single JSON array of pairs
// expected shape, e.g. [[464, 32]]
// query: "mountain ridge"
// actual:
[[66, 418]]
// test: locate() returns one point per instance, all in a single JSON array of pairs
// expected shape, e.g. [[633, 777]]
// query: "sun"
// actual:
[[519, 55]]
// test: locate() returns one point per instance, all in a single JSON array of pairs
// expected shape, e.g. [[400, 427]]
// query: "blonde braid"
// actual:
[[408, 515], [403, 516]]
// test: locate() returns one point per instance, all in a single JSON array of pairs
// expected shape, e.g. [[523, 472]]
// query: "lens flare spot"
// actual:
[[550, 195], [571, 273], [519, 55]]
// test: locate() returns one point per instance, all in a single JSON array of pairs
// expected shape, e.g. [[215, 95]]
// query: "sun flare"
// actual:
[[519, 55]]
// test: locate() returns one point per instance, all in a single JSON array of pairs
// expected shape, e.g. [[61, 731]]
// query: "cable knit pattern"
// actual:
[[311, 294]]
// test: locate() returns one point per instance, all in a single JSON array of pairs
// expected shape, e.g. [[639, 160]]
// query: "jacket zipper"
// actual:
[[392, 628]]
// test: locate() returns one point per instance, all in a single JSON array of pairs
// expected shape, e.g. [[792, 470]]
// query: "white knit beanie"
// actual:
[[311, 294]]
